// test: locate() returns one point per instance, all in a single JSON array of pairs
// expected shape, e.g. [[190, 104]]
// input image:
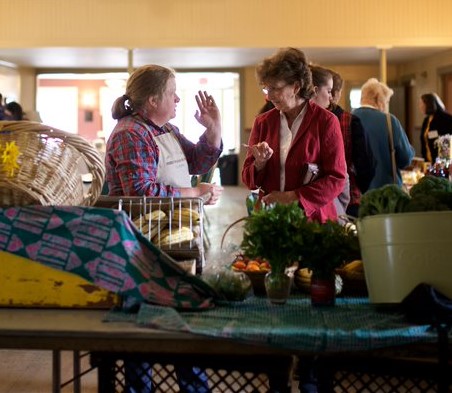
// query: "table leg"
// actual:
[[56, 371], [77, 372]]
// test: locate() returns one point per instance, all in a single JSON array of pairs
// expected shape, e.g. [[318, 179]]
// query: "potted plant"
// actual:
[[324, 248], [405, 238], [272, 233]]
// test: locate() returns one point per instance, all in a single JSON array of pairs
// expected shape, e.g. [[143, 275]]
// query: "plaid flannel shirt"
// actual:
[[132, 158]]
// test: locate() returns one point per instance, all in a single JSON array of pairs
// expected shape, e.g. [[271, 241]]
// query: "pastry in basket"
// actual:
[[155, 215], [186, 216], [154, 230], [149, 218], [173, 236], [151, 223]]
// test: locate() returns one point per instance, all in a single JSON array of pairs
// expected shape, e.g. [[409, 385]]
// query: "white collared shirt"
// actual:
[[286, 136]]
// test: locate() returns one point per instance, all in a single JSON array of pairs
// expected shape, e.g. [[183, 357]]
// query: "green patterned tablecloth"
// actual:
[[352, 325]]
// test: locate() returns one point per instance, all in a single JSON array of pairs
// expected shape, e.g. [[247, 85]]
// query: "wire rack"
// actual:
[[174, 224]]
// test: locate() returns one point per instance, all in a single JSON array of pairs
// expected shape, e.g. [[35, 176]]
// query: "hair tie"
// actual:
[[127, 105]]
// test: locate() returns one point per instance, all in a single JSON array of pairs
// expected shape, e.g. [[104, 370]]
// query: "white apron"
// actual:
[[172, 168]]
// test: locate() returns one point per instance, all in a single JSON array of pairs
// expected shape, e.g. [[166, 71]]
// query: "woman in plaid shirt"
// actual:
[[146, 155]]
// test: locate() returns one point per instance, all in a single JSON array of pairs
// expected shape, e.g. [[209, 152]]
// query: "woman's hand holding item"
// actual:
[[283, 197], [214, 190], [208, 115], [261, 152]]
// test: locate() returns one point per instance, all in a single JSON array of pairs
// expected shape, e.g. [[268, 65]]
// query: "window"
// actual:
[[224, 87], [58, 107], [60, 102], [355, 98]]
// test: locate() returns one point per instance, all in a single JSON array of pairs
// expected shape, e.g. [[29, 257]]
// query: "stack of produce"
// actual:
[[255, 269], [429, 194]]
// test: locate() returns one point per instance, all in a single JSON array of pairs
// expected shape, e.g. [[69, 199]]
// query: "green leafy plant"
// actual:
[[272, 233], [384, 200], [429, 194], [282, 234], [326, 247]]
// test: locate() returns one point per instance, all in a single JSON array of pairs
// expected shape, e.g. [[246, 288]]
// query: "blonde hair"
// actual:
[[376, 94], [146, 81]]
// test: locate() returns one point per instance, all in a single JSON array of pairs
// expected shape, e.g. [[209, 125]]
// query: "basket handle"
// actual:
[[229, 228]]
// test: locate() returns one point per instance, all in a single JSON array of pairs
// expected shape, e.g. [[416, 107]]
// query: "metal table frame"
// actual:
[[85, 330]]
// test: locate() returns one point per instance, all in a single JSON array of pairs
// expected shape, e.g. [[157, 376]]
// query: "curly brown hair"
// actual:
[[289, 65]]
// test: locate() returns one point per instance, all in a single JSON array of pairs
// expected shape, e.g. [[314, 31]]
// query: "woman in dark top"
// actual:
[[14, 111], [437, 122], [358, 153]]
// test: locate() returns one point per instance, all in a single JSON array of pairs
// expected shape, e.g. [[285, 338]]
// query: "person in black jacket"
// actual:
[[14, 111], [358, 154], [437, 122]]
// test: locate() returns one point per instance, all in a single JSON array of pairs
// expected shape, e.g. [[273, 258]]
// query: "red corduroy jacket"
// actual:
[[318, 140]]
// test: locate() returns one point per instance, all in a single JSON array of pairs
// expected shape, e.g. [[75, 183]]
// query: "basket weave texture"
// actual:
[[49, 163]]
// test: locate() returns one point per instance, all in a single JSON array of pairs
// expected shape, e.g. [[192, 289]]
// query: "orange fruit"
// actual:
[[239, 265], [253, 262], [253, 267], [265, 266]]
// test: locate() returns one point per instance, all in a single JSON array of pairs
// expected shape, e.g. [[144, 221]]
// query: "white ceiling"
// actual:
[[185, 58]]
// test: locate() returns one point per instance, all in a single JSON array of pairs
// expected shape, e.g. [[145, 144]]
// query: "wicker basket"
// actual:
[[48, 167]]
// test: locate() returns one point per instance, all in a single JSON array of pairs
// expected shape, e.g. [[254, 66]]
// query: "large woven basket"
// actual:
[[48, 166]]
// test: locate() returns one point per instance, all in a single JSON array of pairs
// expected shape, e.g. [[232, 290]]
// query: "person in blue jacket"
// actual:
[[375, 97]]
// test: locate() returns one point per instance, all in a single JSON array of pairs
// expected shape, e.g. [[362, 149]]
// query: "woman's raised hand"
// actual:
[[208, 115]]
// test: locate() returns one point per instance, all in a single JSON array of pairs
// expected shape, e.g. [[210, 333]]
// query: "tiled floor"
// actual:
[[31, 372]]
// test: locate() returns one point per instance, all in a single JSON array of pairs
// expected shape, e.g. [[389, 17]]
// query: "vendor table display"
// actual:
[[180, 320]]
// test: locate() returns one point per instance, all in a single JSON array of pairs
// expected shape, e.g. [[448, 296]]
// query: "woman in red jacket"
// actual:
[[296, 133]]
